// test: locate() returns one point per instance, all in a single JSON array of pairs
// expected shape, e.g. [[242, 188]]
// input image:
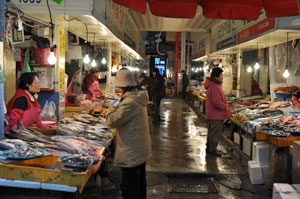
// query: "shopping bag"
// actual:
[[48, 111]]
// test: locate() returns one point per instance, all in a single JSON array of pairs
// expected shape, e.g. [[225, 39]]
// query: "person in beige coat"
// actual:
[[129, 117]]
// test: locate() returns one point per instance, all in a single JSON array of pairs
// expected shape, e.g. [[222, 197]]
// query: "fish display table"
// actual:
[[46, 173]]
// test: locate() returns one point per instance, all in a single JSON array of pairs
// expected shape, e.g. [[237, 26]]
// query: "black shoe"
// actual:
[[215, 153]]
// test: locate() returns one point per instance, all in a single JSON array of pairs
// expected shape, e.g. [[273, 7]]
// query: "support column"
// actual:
[[2, 37], [176, 61], [183, 52], [243, 77]]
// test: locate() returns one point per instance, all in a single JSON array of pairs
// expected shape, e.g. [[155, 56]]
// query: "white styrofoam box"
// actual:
[[247, 143], [296, 187], [255, 172], [289, 195], [281, 187], [236, 138], [260, 153], [295, 166]]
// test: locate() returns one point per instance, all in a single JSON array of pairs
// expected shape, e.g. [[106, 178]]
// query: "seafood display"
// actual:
[[92, 129], [75, 160], [28, 134], [22, 151], [78, 145]]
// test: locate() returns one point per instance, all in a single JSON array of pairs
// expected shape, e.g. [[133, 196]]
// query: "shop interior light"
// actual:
[[249, 69], [93, 64], [86, 59], [286, 73], [193, 69], [256, 66], [201, 69], [145, 71], [103, 60], [52, 58]]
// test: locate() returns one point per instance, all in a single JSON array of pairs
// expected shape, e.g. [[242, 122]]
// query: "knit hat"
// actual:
[[124, 78]]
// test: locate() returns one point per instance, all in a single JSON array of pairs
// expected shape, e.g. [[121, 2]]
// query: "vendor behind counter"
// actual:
[[24, 106]]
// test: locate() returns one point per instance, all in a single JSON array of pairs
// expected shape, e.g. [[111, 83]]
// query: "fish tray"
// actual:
[[34, 170], [278, 141], [261, 135]]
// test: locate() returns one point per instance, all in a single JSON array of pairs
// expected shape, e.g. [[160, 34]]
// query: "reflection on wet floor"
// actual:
[[179, 143]]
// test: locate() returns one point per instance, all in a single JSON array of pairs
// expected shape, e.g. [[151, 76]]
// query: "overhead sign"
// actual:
[[223, 35], [198, 48], [256, 29]]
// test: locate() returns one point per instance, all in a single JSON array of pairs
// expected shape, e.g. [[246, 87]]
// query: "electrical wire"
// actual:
[[51, 22], [87, 31]]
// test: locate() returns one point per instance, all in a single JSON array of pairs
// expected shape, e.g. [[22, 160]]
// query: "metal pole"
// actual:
[[176, 62], [2, 37]]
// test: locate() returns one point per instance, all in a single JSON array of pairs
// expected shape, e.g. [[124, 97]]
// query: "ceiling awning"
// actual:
[[219, 9]]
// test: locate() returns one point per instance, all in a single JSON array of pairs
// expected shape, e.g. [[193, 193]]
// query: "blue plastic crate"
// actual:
[[284, 95]]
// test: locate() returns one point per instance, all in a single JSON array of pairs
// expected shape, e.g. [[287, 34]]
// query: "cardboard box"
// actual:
[[282, 187], [289, 195], [247, 144], [261, 153], [237, 138]]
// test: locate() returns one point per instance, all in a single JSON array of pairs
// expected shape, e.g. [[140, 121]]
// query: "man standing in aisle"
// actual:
[[157, 92], [185, 83], [217, 109]]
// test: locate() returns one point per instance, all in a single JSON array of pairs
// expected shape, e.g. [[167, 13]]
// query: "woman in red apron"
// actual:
[[24, 106], [90, 85]]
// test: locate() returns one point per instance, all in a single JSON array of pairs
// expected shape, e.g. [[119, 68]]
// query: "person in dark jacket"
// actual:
[[157, 92], [185, 83], [146, 81]]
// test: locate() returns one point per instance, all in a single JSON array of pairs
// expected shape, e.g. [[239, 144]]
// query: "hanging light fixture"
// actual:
[[94, 64], [103, 61], [249, 69], [286, 73], [51, 58], [256, 66], [86, 59]]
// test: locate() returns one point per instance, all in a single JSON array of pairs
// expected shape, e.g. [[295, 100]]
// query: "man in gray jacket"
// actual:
[[133, 138]]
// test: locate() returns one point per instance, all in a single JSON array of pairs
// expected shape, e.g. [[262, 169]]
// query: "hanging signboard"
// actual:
[[70, 7], [256, 29], [223, 35], [198, 49], [61, 66]]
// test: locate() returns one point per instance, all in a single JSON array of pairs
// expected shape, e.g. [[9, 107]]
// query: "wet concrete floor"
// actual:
[[178, 147]]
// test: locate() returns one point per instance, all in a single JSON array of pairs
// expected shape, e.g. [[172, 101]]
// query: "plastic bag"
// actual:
[[48, 112]]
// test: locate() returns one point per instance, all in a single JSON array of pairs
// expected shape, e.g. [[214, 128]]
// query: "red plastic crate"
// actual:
[[42, 54]]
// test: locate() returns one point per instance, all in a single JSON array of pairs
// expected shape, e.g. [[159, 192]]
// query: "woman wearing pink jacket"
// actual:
[[217, 109]]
